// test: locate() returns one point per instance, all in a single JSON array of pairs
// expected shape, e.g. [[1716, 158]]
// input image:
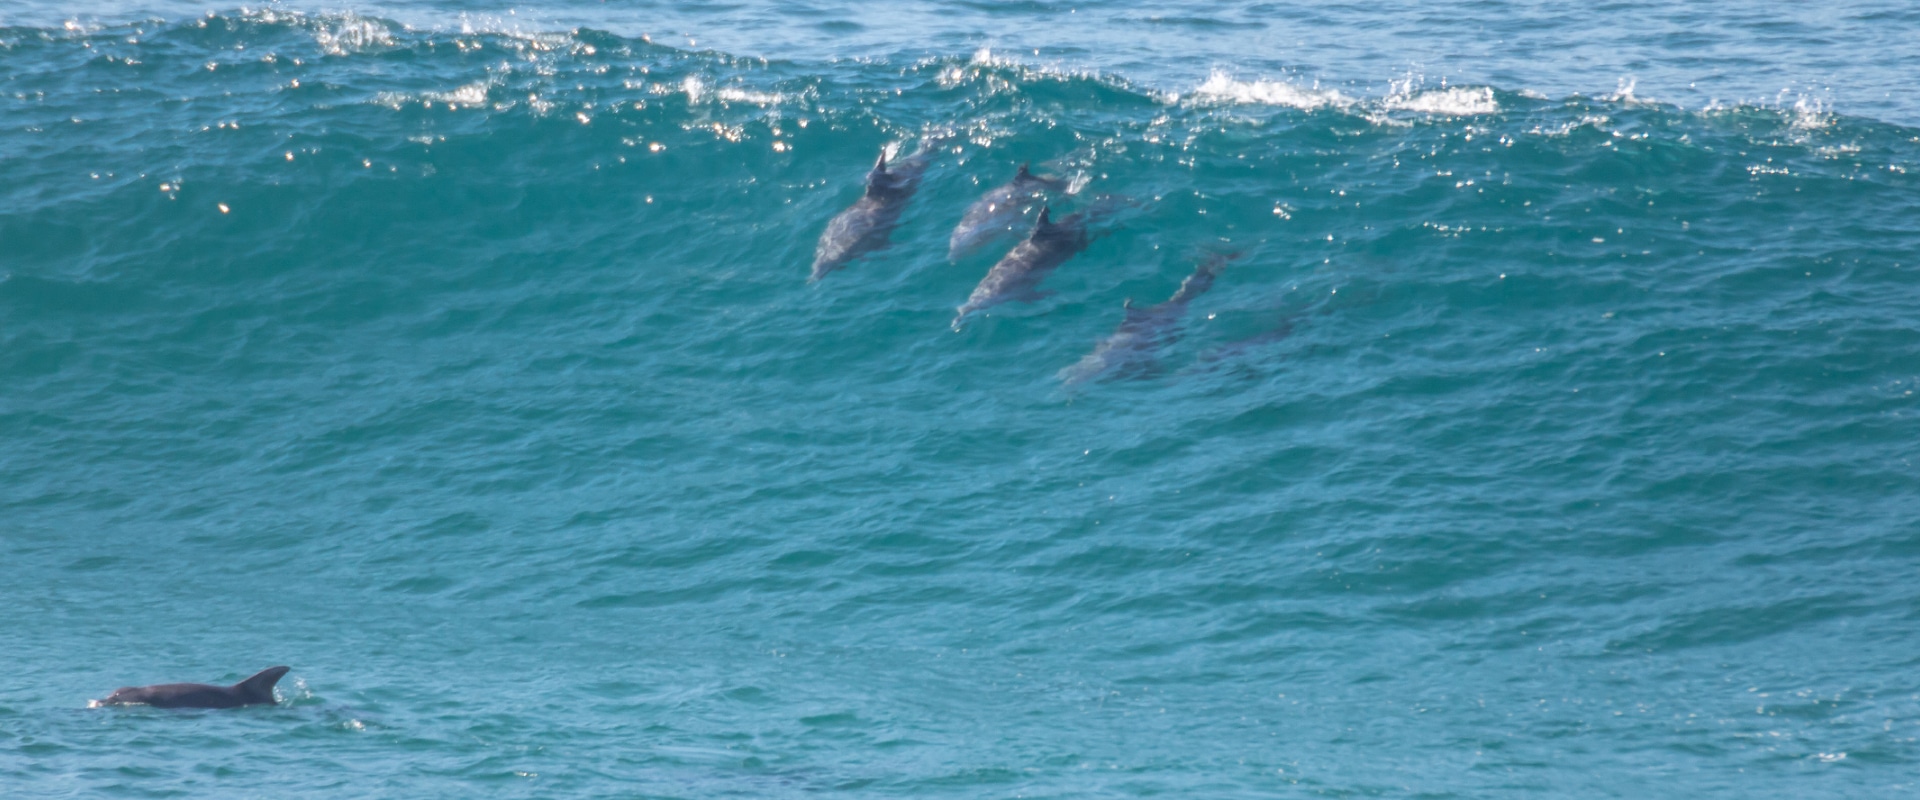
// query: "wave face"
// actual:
[[1529, 444]]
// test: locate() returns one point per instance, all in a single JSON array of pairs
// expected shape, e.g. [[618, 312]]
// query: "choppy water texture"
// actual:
[[1543, 440]]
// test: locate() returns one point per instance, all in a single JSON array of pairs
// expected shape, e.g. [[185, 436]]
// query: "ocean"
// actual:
[[1545, 430]]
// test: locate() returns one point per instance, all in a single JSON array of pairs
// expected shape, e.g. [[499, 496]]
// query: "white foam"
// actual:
[[1805, 116], [695, 88], [1810, 114], [1623, 93], [1223, 88], [1594, 121], [473, 95], [349, 33], [737, 95], [338, 34], [1458, 101], [984, 57]]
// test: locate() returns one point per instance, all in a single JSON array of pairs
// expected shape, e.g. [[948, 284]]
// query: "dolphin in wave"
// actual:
[[1134, 348], [1017, 275], [867, 225], [998, 211], [257, 690]]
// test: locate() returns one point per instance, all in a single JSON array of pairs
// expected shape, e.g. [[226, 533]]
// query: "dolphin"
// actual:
[[998, 211], [1134, 348], [1239, 347], [867, 224], [257, 690], [1017, 274]]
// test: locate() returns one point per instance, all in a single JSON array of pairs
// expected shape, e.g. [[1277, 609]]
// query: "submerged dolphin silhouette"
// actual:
[[868, 224], [1240, 347], [1018, 274], [257, 690], [1133, 350], [998, 211]]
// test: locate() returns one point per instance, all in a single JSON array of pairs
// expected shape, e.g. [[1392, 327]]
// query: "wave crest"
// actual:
[[1223, 88]]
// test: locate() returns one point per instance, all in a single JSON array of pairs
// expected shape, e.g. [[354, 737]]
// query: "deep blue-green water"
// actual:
[[1551, 435]]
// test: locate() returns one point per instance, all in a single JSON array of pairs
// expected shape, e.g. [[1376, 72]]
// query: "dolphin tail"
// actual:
[[1219, 260], [260, 686], [1050, 183], [1202, 278], [1102, 207]]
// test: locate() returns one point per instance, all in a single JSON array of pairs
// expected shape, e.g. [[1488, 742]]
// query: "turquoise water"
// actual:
[[1543, 440]]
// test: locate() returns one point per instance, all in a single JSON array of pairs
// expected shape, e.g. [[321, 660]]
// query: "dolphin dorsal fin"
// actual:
[[1041, 224], [260, 686], [878, 180], [1023, 174]]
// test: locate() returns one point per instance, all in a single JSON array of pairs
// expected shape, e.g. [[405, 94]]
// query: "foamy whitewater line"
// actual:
[[1456, 101], [1223, 88], [697, 90], [347, 34], [338, 33]]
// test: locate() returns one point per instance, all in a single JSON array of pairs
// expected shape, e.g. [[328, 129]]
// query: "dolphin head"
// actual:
[[125, 695]]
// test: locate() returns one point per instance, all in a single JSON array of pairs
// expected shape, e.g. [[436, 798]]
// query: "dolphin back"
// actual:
[[997, 213], [867, 225], [257, 690]]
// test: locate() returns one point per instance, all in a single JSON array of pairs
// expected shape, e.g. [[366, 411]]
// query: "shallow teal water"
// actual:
[[476, 375]]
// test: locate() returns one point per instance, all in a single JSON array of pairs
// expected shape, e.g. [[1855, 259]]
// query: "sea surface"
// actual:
[[1550, 431]]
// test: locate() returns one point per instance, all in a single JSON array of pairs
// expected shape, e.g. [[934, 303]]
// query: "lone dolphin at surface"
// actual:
[[1017, 274], [1134, 348], [998, 211], [867, 225], [257, 690]]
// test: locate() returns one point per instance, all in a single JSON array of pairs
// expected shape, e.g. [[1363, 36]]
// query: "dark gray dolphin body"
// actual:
[[1134, 348], [1239, 347], [1017, 275], [257, 690], [997, 213], [867, 225]]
